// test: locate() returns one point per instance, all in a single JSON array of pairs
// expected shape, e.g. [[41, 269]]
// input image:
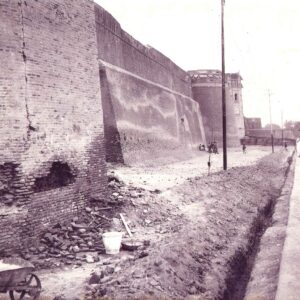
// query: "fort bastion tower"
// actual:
[[207, 91]]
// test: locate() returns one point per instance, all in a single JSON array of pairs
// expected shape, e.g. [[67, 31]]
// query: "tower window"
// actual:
[[236, 97]]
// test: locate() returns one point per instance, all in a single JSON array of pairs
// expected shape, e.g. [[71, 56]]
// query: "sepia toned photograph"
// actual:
[[149, 150]]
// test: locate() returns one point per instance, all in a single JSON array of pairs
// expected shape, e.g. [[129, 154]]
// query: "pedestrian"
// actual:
[[210, 147], [208, 164], [215, 147], [285, 146], [244, 148], [202, 147]]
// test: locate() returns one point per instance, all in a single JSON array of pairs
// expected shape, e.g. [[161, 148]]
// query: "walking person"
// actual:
[[244, 148], [209, 164]]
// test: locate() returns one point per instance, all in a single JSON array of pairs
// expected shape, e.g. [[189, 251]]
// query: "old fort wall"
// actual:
[[52, 158], [147, 104]]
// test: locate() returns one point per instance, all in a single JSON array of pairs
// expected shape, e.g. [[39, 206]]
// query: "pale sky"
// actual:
[[262, 41]]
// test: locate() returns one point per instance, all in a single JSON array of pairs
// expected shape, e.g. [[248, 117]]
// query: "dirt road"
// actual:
[[198, 229], [164, 177]]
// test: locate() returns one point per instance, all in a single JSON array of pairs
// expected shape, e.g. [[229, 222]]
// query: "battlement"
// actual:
[[215, 77]]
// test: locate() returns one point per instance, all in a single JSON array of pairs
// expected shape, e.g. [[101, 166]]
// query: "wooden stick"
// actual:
[[98, 215], [104, 208], [126, 226], [104, 218]]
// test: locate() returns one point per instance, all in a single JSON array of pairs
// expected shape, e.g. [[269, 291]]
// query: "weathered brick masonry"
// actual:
[[52, 158]]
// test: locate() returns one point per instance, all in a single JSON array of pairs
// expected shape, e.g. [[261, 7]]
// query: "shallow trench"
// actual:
[[243, 280]]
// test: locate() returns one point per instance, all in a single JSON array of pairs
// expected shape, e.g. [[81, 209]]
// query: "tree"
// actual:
[[274, 126]]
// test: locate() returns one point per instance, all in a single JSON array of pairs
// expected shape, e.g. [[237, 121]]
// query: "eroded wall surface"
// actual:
[[148, 109], [52, 158]]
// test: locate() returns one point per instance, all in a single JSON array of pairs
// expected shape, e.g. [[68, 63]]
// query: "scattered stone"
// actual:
[[60, 297], [109, 270], [112, 184], [89, 259], [137, 274], [113, 177], [88, 209], [76, 249], [192, 290], [41, 249], [157, 263], [102, 292], [157, 191], [8, 199], [134, 194], [143, 254], [95, 278], [70, 256], [78, 226], [153, 282], [118, 269], [147, 243]]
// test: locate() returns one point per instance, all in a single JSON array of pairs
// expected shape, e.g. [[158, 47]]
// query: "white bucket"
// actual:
[[112, 242]]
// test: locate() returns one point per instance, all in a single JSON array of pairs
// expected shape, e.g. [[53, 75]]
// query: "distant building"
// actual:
[[255, 134], [252, 123], [206, 88]]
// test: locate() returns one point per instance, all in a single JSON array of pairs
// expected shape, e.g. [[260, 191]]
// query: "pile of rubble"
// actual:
[[81, 240], [76, 242]]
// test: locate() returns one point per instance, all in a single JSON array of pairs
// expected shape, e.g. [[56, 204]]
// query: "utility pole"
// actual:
[[272, 137], [223, 90], [282, 126]]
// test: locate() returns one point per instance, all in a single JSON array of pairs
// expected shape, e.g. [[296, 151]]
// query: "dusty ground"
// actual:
[[196, 229], [164, 177], [208, 228]]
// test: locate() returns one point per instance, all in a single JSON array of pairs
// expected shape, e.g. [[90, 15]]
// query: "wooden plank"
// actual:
[[126, 226]]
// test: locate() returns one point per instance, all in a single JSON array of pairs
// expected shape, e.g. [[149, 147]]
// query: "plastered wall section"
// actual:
[[51, 112], [152, 121], [149, 97]]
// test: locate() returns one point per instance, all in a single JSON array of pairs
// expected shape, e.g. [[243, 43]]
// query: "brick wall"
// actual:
[[51, 115]]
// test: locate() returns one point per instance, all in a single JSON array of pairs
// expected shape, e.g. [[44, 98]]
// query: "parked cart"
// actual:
[[17, 279]]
